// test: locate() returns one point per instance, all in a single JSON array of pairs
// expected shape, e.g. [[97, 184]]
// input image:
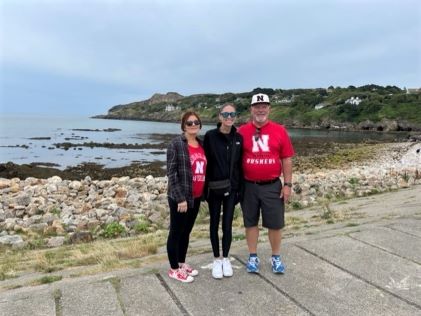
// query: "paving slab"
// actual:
[[403, 202], [369, 269], [327, 290], [408, 226], [389, 272], [396, 242], [145, 295], [28, 302], [242, 294], [96, 298]]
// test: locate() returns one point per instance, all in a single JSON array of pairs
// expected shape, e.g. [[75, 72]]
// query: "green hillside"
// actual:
[[368, 107]]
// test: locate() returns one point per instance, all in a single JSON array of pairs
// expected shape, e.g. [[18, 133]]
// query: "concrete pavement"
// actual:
[[372, 267]]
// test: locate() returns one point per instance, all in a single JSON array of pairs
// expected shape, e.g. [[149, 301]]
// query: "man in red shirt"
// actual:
[[267, 154]]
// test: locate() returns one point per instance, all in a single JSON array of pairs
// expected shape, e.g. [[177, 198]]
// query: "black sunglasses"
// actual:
[[257, 134], [191, 123], [228, 114]]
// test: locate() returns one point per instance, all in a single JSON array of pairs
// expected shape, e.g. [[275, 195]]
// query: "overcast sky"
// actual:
[[82, 57]]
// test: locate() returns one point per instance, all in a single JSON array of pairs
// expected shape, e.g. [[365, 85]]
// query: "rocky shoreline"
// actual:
[[95, 171], [50, 212], [385, 125]]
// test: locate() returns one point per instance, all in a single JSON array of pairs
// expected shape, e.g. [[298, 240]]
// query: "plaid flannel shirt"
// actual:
[[179, 171]]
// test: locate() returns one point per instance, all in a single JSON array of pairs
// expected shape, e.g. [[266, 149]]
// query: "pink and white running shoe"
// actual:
[[190, 271], [180, 275]]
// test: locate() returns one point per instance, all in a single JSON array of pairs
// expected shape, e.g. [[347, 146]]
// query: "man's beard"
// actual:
[[260, 118]]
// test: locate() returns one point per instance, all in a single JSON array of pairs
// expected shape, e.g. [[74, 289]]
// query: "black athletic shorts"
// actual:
[[265, 197]]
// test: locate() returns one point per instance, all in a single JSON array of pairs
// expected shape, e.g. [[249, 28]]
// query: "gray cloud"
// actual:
[[214, 46]]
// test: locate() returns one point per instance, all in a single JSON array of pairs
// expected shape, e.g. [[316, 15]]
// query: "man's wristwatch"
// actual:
[[288, 184]]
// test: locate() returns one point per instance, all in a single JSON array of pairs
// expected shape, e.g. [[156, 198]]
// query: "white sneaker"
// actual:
[[226, 267], [217, 269]]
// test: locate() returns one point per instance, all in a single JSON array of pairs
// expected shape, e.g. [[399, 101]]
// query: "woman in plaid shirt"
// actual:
[[186, 167]]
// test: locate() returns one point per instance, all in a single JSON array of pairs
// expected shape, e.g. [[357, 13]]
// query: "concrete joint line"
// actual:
[[401, 231], [172, 295], [359, 277], [57, 302], [383, 249], [292, 299], [116, 283]]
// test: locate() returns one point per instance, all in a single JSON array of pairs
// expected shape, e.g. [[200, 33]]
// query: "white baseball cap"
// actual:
[[260, 98]]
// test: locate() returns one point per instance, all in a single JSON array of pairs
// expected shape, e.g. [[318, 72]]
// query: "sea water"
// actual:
[[18, 131]]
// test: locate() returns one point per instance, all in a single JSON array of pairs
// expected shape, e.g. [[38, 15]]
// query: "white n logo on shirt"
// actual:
[[262, 143], [199, 167]]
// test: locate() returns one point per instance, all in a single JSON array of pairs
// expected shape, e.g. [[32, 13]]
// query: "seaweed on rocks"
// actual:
[[11, 170]]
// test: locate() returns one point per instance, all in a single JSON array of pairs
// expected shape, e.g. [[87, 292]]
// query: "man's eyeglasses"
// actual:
[[191, 123], [257, 134], [228, 114]]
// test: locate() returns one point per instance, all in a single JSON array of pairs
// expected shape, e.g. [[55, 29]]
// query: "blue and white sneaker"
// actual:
[[253, 265], [277, 265]]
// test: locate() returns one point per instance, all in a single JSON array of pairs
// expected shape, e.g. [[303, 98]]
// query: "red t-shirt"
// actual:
[[263, 151], [198, 164]]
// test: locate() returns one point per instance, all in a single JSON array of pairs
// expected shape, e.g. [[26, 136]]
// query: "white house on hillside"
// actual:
[[170, 108], [285, 100], [354, 101], [409, 91], [319, 106]]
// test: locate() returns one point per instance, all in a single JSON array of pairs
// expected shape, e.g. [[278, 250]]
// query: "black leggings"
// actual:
[[181, 225], [228, 204]]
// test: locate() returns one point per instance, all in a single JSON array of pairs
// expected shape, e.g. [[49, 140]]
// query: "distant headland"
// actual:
[[369, 107]]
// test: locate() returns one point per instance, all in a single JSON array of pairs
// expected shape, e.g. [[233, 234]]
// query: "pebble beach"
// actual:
[[60, 210]]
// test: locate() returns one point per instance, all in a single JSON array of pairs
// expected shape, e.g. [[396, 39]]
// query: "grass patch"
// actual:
[[238, 217], [352, 224], [200, 231], [353, 181], [142, 227], [4, 275], [296, 205], [405, 176], [36, 243], [47, 279], [294, 220], [56, 211], [327, 212], [13, 287], [105, 254], [237, 237], [113, 230], [8, 265], [374, 191], [203, 216]]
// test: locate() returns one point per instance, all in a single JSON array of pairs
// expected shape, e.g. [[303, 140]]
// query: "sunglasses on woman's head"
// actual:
[[228, 114], [191, 123]]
